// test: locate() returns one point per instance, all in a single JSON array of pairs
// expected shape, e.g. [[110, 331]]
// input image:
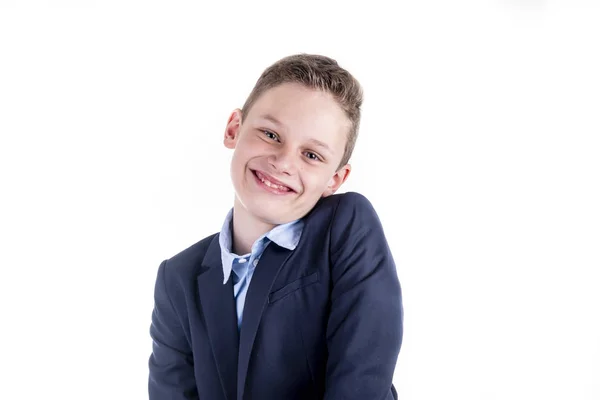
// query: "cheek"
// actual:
[[241, 154], [248, 149], [315, 184]]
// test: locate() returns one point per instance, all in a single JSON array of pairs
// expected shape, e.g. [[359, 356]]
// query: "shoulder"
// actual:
[[187, 263], [354, 224], [345, 208], [344, 216], [355, 205]]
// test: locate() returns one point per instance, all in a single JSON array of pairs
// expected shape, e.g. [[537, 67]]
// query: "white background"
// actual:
[[478, 148]]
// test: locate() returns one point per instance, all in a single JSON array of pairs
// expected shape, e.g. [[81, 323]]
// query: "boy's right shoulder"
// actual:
[[189, 261]]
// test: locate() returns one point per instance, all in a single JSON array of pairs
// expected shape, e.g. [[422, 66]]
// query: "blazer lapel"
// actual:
[[218, 309], [258, 293]]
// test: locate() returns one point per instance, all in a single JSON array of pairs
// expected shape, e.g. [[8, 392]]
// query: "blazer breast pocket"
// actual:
[[293, 286]]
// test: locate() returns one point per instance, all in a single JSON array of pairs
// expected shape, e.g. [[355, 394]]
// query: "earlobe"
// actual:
[[232, 129], [337, 180]]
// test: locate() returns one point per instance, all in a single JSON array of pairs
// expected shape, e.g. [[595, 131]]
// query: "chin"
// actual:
[[270, 217], [273, 213]]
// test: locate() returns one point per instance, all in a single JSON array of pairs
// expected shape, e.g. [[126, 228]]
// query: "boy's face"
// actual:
[[287, 152]]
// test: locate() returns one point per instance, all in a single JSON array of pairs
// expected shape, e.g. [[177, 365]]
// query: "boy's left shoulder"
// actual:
[[346, 208], [354, 199], [347, 199]]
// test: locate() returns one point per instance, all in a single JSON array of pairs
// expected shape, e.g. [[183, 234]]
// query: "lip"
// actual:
[[270, 178]]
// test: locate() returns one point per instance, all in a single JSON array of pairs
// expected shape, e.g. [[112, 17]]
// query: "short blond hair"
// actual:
[[316, 72]]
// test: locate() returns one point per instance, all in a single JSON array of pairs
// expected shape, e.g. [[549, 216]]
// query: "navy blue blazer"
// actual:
[[323, 321]]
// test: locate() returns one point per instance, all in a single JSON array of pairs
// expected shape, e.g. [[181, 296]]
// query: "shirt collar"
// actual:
[[285, 235]]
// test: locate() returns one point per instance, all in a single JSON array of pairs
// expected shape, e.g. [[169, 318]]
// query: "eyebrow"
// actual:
[[315, 142], [271, 118], [320, 144]]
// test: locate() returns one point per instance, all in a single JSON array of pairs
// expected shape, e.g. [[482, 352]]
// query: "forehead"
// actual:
[[304, 113]]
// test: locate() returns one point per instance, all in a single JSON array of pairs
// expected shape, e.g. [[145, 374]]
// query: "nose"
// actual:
[[283, 161]]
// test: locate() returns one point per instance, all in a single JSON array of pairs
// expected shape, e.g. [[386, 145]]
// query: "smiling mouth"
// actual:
[[277, 188]]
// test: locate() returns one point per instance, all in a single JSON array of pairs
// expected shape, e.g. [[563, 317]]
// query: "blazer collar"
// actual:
[[257, 298], [218, 308], [231, 350], [286, 235]]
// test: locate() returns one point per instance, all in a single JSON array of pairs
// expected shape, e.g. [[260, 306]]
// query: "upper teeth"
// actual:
[[272, 185]]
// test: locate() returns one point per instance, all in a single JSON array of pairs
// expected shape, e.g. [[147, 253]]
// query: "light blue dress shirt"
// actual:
[[285, 235]]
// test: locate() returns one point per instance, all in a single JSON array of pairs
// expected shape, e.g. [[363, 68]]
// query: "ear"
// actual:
[[232, 130], [336, 180]]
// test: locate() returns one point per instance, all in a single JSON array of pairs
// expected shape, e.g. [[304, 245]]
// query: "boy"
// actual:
[[297, 297]]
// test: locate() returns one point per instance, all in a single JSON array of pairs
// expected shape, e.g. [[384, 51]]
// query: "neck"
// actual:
[[246, 229]]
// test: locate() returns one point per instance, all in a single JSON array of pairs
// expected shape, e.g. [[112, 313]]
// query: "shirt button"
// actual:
[[255, 262], [242, 260]]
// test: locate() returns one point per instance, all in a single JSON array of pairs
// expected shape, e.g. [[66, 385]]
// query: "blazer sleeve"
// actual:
[[171, 363], [364, 330]]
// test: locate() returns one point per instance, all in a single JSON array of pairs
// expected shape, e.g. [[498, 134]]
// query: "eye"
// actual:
[[312, 156], [270, 135]]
